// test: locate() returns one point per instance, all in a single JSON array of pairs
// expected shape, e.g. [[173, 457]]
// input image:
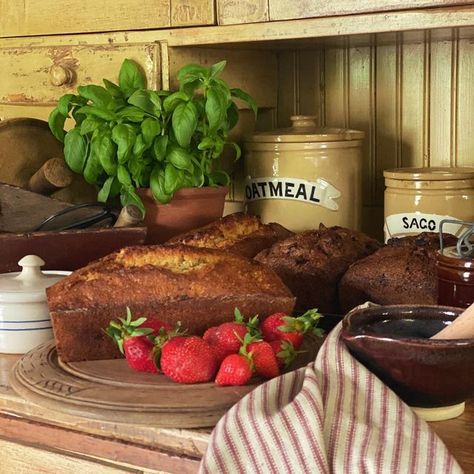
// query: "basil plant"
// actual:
[[127, 136]]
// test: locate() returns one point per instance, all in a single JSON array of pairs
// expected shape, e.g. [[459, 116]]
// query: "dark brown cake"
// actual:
[[311, 263], [403, 272], [199, 287], [238, 233]]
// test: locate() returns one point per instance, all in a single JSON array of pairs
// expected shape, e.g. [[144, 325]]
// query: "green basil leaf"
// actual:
[[99, 95], [124, 136], [217, 68], [184, 122], [216, 107], [250, 101], [131, 78], [150, 129], [90, 124], [128, 195], [93, 168], [238, 150], [139, 146], [64, 104], [157, 185], [232, 116], [56, 124], [190, 86], [219, 178], [173, 100], [180, 158], [206, 143], [131, 113], [194, 71], [173, 178], [159, 147], [113, 89], [110, 188], [75, 150], [97, 112], [198, 178], [218, 147], [123, 175], [107, 151], [142, 100]]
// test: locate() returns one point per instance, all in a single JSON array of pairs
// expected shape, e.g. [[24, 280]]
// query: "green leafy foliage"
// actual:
[[127, 136]]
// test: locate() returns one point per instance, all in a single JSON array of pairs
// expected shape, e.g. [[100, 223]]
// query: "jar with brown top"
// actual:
[[417, 199], [455, 268], [303, 175]]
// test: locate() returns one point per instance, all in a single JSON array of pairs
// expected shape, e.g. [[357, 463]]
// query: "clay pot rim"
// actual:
[[185, 193]]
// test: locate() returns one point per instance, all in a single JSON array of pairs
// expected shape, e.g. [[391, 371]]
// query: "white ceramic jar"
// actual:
[[24, 316]]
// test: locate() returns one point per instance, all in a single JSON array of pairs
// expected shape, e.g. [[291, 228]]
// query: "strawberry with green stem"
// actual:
[[227, 338], [280, 326], [136, 342]]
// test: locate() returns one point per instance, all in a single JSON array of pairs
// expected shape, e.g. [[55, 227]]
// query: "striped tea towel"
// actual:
[[332, 416]]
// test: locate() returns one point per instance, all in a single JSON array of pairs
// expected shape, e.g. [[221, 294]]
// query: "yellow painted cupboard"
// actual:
[[400, 71]]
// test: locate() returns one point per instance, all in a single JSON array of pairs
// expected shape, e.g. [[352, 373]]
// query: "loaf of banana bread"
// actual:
[[238, 233], [199, 287], [403, 272], [311, 263]]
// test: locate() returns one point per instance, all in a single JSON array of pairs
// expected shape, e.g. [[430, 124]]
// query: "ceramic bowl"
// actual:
[[423, 372]]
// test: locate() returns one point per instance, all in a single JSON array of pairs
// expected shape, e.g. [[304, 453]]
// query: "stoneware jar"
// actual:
[[24, 315], [303, 175], [418, 199]]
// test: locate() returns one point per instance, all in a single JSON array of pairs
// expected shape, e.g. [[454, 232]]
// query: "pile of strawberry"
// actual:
[[230, 353]]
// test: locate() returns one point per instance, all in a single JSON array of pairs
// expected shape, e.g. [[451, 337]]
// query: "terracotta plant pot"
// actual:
[[190, 208]]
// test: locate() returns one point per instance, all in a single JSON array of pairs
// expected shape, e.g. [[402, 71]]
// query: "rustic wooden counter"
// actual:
[[55, 442]]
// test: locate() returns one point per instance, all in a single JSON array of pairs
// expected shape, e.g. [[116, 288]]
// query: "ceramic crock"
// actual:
[[417, 199], [24, 316], [303, 175]]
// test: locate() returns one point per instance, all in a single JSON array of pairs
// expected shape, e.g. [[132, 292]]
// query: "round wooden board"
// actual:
[[108, 390]]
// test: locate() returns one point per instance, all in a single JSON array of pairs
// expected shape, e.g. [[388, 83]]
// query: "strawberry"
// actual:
[[227, 338], [264, 359], [188, 359], [235, 369], [134, 341], [279, 326], [284, 352]]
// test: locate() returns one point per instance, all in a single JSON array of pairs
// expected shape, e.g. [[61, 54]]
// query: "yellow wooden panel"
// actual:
[[412, 98], [441, 96], [192, 12], [287, 91], [362, 112], [26, 77], [254, 71], [230, 12], [465, 115], [44, 17], [285, 10], [335, 87]]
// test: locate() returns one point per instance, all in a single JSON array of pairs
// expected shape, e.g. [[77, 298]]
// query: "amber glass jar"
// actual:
[[455, 278]]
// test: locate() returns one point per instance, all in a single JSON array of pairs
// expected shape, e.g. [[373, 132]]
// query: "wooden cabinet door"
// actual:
[[35, 76]]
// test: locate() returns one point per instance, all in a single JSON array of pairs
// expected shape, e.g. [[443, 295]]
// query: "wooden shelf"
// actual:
[[274, 31]]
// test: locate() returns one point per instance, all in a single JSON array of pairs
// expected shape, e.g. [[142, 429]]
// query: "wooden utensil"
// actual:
[[461, 328]]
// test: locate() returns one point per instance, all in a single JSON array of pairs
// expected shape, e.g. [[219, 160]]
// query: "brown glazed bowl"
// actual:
[[423, 372]]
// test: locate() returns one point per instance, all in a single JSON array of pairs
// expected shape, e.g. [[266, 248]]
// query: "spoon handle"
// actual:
[[461, 328]]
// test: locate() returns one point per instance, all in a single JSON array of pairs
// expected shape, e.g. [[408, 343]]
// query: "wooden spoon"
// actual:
[[461, 328]]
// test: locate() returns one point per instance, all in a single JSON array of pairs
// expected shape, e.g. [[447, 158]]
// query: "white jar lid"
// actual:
[[28, 286]]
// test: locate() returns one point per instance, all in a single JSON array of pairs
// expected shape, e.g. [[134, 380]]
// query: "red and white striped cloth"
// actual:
[[333, 416]]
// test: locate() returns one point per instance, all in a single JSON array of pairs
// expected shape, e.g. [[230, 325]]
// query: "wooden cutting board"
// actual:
[[108, 390]]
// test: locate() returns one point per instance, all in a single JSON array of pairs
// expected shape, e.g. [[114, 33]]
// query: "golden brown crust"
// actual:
[[199, 287], [238, 233]]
